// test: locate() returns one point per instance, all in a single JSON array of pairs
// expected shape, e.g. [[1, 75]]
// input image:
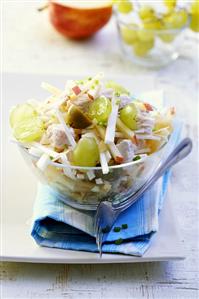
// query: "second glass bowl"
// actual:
[[150, 48]]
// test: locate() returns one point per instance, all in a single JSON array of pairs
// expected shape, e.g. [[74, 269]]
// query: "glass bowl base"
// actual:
[[153, 60]]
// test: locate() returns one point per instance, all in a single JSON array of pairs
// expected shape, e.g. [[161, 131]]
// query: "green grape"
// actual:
[[100, 109], [142, 48], [116, 87], [166, 37], [128, 116], [194, 24], [146, 13], [28, 130], [155, 24], [125, 6], [20, 113], [145, 35], [176, 20], [129, 35], [86, 152], [195, 7], [170, 4]]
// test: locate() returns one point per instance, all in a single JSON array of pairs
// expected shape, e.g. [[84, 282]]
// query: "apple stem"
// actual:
[[43, 7]]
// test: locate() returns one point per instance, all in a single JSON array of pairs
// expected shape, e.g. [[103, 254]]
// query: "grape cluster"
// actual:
[[141, 36]]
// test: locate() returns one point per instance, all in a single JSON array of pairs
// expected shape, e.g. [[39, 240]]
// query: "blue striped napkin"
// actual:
[[60, 226]]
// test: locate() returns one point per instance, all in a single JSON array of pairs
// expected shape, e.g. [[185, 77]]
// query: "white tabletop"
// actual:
[[30, 45]]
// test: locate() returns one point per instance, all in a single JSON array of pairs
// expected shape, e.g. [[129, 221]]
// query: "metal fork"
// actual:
[[107, 212]]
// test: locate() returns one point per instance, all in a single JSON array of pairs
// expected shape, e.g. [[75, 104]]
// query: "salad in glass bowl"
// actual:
[[92, 140]]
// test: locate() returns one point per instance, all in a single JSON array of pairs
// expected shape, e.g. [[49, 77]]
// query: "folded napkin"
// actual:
[[60, 226]]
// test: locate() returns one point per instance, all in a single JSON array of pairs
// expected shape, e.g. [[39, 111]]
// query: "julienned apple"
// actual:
[[79, 19]]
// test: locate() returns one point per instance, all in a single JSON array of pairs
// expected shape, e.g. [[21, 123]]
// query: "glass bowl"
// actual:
[[154, 48], [85, 187]]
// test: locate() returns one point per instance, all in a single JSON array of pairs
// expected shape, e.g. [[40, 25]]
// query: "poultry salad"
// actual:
[[79, 137]]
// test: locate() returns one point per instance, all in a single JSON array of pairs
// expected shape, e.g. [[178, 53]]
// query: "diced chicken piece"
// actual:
[[82, 102], [94, 93], [126, 148], [57, 136], [124, 100], [107, 92]]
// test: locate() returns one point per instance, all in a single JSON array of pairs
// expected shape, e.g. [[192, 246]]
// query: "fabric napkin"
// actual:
[[60, 226]]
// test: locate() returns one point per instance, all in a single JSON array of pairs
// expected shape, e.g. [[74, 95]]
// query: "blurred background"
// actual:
[[32, 44]]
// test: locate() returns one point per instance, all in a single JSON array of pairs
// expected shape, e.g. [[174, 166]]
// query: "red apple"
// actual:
[[79, 19]]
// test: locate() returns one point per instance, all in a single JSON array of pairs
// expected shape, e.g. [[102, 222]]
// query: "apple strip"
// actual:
[[104, 159], [142, 151], [120, 135], [112, 147], [96, 189], [90, 174], [110, 129], [50, 88], [103, 162], [46, 150], [125, 130], [99, 181], [67, 170], [66, 129], [102, 151], [108, 156], [80, 176], [35, 151], [147, 137], [88, 85], [94, 93], [115, 153], [43, 162]]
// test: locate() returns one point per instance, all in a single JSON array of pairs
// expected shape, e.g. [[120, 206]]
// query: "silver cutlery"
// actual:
[[107, 211]]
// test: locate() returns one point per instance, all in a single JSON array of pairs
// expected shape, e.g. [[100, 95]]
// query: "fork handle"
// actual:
[[179, 153]]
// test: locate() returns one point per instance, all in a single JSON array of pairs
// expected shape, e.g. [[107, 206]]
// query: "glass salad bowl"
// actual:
[[93, 141], [85, 187], [160, 50], [152, 42]]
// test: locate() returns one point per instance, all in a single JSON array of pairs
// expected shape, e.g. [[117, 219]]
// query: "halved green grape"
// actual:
[[194, 24], [100, 109], [86, 152], [20, 113], [128, 116], [125, 6], [176, 20], [28, 130], [147, 12], [129, 35], [145, 35], [142, 48], [116, 87]]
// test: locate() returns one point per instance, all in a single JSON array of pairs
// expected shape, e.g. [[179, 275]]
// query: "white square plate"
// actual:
[[19, 188]]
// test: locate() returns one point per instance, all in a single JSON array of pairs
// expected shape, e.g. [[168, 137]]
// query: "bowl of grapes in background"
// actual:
[[152, 35]]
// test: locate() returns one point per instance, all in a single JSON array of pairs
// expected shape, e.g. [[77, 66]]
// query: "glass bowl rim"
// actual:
[[118, 166], [164, 31]]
